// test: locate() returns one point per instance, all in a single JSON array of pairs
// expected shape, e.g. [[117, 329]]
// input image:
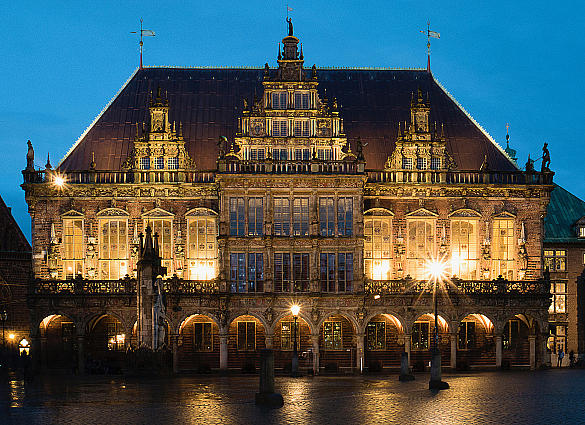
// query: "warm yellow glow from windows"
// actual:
[[202, 270]]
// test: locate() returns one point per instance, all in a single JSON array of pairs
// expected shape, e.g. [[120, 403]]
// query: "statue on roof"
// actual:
[[30, 157], [290, 26], [545, 158]]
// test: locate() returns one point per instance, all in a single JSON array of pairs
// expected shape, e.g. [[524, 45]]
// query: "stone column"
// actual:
[[315, 344], [545, 361], [453, 351], [269, 341], [359, 357], [175, 341], [81, 354], [407, 345], [532, 340], [223, 353], [499, 351]]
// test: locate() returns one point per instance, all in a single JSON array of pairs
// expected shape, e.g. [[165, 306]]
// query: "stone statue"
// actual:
[[545, 158], [290, 26], [220, 145], [30, 157]]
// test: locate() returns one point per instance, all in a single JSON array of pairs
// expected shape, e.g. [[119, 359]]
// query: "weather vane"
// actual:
[[430, 34], [142, 33]]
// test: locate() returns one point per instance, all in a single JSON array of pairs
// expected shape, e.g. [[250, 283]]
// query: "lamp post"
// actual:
[[436, 274], [295, 360]]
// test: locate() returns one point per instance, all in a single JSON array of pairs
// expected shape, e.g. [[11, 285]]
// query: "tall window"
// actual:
[[237, 217], [301, 100], [407, 163], [555, 260], [336, 272], [255, 216], [281, 216], [279, 128], [159, 163], [421, 246], [301, 128], [377, 248], [202, 336], [116, 337], [464, 249], [559, 297], [73, 247], [287, 330], [332, 336], [202, 249], [291, 272], [113, 248], [503, 248], [163, 227], [327, 216], [511, 334], [173, 163], [420, 335], [247, 272], [345, 216], [301, 216], [279, 100], [246, 336], [376, 335], [466, 336], [145, 163]]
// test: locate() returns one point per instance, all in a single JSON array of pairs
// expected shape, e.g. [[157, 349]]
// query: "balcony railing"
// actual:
[[466, 287], [120, 177], [459, 177]]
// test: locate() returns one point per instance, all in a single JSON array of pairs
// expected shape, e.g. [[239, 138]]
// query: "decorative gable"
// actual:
[[504, 215], [423, 213], [72, 214], [379, 212], [157, 213], [112, 212], [465, 213]]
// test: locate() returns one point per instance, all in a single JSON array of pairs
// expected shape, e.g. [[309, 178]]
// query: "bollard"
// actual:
[[435, 383], [405, 368], [266, 396]]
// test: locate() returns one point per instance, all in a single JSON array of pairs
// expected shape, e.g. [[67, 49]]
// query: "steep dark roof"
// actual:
[[11, 237], [208, 103], [563, 212]]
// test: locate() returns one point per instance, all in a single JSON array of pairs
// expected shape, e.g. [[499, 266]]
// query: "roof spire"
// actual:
[[142, 33], [430, 34], [511, 152]]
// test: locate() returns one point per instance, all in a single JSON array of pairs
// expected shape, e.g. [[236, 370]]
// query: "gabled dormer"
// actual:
[[162, 147], [291, 122], [420, 146]]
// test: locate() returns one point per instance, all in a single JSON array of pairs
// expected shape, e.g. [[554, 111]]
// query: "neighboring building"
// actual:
[[15, 274], [564, 256], [330, 188]]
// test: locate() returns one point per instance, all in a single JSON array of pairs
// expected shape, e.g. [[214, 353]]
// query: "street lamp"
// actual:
[[295, 360], [3, 317], [436, 272]]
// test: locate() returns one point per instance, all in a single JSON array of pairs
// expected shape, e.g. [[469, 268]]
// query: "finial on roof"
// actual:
[[92, 163], [290, 26], [279, 54], [48, 164], [511, 152], [180, 129], [301, 57]]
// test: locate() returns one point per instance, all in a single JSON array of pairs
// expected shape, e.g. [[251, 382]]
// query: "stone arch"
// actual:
[[184, 319], [305, 316], [198, 342], [106, 338], [257, 315], [59, 338], [399, 321], [443, 322], [384, 341]]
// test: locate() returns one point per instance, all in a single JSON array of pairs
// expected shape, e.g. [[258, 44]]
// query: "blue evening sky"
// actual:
[[515, 62]]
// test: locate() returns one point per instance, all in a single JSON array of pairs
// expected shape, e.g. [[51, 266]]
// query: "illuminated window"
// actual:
[[301, 100], [582, 232], [202, 336], [246, 336], [247, 272], [503, 249], [291, 272], [116, 337], [511, 334], [202, 252], [332, 336], [466, 336], [464, 249], [420, 335], [301, 128], [113, 238], [377, 247], [286, 335], [173, 163], [279, 128], [555, 260], [163, 227], [279, 100], [336, 272], [420, 246], [376, 336], [301, 216], [73, 247], [559, 297], [159, 163], [145, 163], [421, 163], [560, 338]]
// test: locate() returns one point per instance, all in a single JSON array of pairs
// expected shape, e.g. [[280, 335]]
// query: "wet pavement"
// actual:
[[523, 397]]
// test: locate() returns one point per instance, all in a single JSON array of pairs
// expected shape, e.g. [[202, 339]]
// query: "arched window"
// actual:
[[202, 252]]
